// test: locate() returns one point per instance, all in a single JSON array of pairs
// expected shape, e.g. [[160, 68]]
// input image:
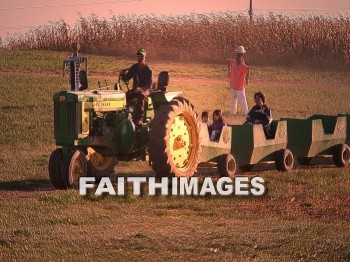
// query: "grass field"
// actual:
[[304, 216]]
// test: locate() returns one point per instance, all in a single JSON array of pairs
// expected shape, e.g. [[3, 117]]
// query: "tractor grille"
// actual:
[[71, 118], [67, 119]]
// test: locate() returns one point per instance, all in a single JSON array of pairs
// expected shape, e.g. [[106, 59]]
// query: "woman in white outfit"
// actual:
[[239, 77]]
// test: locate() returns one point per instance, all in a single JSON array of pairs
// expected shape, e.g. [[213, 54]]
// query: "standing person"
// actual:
[[142, 83], [77, 78], [239, 78]]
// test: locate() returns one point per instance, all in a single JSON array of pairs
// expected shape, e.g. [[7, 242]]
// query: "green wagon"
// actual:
[[319, 135], [244, 146]]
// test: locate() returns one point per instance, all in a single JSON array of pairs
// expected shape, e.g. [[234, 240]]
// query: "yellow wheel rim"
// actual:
[[97, 160], [182, 141]]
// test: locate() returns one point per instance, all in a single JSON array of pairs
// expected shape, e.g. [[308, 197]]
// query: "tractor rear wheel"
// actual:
[[226, 165], [174, 147], [284, 160], [181, 99], [341, 155], [99, 165], [75, 166], [56, 168]]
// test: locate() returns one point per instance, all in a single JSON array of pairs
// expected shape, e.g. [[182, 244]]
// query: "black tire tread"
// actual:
[[55, 170]]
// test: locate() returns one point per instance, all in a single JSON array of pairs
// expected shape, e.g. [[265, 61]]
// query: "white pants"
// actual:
[[239, 95]]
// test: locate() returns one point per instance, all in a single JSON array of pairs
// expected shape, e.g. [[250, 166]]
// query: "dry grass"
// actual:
[[317, 39], [304, 216]]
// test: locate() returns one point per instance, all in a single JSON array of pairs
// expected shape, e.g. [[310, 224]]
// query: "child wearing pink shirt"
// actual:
[[239, 75]]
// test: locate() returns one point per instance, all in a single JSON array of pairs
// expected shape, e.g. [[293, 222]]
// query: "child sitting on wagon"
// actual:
[[260, 114], [216, 128], [205, 118]]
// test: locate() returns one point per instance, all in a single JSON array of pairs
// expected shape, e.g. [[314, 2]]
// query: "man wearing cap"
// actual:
[[141, 74], [239, 77]]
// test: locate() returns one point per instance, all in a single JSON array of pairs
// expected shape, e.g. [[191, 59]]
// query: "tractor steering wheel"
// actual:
[[121, 82]]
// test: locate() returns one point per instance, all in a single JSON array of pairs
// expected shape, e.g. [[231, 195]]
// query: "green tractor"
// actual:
[[93, 129]]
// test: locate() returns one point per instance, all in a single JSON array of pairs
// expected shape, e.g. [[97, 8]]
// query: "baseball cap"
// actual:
[[141, 51]]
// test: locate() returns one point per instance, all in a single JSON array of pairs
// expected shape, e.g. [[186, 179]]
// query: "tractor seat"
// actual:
[[162, 83]]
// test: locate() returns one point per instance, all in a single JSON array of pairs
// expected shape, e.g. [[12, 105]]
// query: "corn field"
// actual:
[[317, 39]]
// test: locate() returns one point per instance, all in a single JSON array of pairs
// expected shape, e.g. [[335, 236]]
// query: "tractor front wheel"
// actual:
[[174, 147], [56, 168], [75, 166]]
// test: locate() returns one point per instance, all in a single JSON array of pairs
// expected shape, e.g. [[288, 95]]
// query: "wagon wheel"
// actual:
[[284, 160], [99, 165], [341, 155], [226, 165], [304, 161], [55, 168], [75, 166], [174, 147]]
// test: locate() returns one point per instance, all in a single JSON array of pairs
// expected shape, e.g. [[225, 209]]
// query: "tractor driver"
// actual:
[[141, 74]]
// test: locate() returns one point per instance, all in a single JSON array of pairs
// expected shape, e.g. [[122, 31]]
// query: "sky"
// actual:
[[16, 16]]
